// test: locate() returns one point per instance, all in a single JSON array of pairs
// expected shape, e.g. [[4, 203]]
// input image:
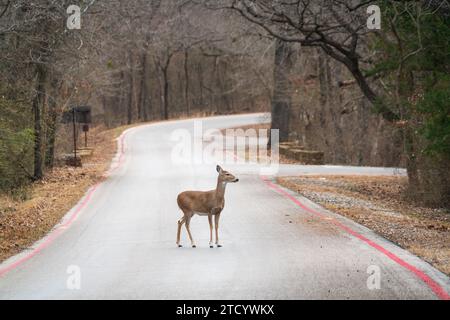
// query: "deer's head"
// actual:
[[225, 176]]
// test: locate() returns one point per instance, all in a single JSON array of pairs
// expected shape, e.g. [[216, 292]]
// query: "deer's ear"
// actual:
[[218, 169]]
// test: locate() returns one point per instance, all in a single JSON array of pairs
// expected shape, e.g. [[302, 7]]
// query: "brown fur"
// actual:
[[204, 203]]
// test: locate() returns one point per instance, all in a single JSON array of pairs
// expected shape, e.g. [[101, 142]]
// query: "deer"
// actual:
[[204, 203]]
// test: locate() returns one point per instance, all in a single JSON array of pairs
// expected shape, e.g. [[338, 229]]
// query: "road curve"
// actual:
[[119, 241]]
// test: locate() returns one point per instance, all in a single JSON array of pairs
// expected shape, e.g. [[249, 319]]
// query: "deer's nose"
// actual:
[[237, 180]]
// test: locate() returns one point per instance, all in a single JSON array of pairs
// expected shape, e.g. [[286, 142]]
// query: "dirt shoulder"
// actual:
[[379, 204], [24, 222]]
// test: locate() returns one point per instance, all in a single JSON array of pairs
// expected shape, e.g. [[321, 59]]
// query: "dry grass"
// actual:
[[380, 204], [24, 222]]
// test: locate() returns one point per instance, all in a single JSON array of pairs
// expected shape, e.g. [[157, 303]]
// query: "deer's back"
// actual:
[[196, 201]]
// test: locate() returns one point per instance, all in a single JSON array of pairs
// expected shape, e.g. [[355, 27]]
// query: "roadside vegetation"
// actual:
[[27, 218]]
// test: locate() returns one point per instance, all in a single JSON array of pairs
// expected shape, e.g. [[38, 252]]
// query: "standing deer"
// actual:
[[204, 203]]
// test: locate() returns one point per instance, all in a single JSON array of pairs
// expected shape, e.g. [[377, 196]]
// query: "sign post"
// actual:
[[74, 136], [85, 130], [78, 114]]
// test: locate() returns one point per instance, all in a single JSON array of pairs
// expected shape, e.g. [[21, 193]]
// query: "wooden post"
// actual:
[[74, 137]]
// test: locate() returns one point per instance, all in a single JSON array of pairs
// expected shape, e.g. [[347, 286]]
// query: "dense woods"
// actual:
[[364, 97]]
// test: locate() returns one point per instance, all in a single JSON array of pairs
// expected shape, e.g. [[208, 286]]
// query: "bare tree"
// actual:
[[337, 27], [282, 92]]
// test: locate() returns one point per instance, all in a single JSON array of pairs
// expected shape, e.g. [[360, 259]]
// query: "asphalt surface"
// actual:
[[119, 241]]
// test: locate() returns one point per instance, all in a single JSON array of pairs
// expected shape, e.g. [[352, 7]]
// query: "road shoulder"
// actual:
[[378, 203]]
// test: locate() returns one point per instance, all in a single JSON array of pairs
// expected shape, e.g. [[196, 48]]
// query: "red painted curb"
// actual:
[[433, 285]]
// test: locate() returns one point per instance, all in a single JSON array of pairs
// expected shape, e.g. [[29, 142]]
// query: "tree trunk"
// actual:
[[411, 159], [143, 97], [37, 108], [51, 134], [121, 113], [221, 83], [201, 84], [428, 175], [281, 98], [139, 97], [323, 81], [186, 81], [52, 122], [131, 93], [165, 94]]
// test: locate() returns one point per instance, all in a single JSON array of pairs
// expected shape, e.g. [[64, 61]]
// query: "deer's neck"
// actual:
[[220, 190]]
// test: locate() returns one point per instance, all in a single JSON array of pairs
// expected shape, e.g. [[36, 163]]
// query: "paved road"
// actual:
[[120, 239]]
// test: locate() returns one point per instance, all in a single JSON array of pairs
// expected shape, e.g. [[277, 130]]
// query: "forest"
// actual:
[[363, 96]]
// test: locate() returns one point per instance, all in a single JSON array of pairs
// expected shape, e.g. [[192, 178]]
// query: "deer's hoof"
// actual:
[[194, 246], [211, 246], [219, 246], [179, 246]]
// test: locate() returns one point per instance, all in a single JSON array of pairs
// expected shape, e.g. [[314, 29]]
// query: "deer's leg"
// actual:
[[210, 231], [180, 224], [216, 225], [188, 221]]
